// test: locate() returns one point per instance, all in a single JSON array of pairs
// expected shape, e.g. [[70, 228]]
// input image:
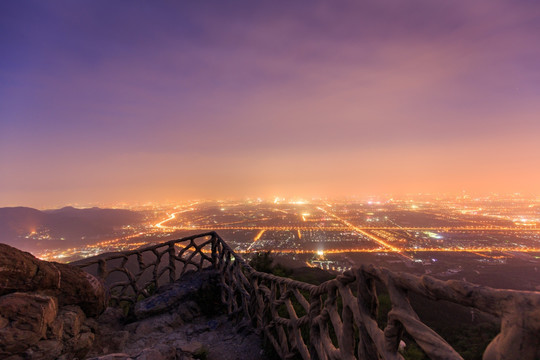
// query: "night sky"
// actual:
[[136, 101]]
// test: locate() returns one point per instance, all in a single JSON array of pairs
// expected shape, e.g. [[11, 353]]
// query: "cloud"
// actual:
[[266, 94]]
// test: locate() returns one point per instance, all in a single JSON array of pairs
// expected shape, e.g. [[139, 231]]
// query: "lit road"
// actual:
[[475, 250], [357, 228], [377, 239], [160, 224], [256, 238], [171, 217], [309, 223]]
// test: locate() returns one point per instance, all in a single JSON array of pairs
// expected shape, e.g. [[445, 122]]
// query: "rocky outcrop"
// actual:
[[190, 286], [171, 336], [25, 319], [55, 311], [22, 272], [45, 308], [78, 287], [33, 327]]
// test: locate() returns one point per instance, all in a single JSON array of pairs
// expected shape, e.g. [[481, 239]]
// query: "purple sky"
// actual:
[[134, 101]]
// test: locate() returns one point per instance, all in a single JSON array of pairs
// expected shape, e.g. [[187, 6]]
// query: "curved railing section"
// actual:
[[337, 319], [132, 275]]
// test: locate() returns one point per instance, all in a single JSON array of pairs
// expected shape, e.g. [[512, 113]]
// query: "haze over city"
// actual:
[[106, 103]]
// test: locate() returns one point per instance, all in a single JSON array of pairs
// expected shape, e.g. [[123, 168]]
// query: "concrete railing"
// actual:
[[335, 320]]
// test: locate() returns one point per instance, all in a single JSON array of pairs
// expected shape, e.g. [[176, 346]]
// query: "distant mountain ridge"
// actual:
[[68, 223]]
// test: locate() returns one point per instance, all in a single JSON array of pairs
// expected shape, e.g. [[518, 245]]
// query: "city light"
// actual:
[[490, 232]]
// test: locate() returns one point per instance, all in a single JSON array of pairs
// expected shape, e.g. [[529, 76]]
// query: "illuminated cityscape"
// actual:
[[337, 235]]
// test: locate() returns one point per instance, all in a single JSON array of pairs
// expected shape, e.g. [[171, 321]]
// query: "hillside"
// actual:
[[27, 228]]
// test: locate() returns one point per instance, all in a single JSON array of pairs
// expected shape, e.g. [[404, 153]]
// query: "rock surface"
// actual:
[[25, 320], [36, 329], [183, 329], [49, 310], [78, 287], [172, 294], [158, 338], [22, 272], [44, 308]]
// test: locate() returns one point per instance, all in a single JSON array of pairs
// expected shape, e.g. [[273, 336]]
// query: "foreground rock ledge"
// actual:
[[22, 272], [46, 308]]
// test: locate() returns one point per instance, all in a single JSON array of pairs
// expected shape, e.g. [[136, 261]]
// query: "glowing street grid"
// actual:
[[407, 228]]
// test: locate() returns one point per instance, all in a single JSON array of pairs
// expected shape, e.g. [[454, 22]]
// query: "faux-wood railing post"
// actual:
[[172, 263], [314, 331], [102, 269], [214, 256]]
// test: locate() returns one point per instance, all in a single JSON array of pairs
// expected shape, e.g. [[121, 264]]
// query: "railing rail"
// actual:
[[337, 319], [132, 274]]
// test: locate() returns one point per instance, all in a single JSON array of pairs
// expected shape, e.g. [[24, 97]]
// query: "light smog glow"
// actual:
[[382, 117], [382, 234]]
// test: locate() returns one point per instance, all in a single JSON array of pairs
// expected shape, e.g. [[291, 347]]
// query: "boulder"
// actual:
[[45, 349], [78, 287], [72, 319], [55, 330], [32, 327], [112, 318], [193, 347], [110, 330], [22, 272], [169, 296], [28, 315], [80, 345]]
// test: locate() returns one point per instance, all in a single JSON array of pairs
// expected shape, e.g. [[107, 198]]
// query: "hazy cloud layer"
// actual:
[[135, 101]]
